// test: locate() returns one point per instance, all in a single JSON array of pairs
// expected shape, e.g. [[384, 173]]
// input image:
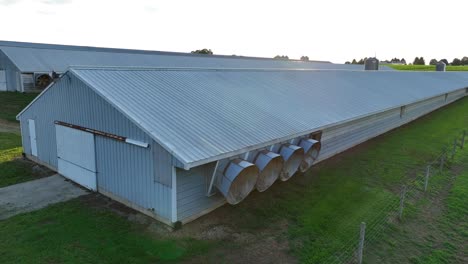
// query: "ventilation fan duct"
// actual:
[[292, 156], [238, 180], [270, 165], [311, 152]]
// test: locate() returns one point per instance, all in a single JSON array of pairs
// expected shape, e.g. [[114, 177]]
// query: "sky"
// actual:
[[331, 30]]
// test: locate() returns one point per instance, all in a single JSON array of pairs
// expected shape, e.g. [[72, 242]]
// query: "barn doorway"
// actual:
[[32, 136], [76, 156]]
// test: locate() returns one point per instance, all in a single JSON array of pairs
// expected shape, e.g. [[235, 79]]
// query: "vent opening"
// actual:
[[311, 152], [238, 180], [292, 156], [270, 165], [42, 81]]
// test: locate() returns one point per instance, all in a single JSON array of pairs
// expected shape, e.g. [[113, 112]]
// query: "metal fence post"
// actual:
[[462, 143], [442, 161], [428, 173], [362, 236], [402, 202], [454, 149]]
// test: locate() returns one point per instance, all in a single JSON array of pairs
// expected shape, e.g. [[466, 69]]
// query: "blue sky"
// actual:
[[334, 30]]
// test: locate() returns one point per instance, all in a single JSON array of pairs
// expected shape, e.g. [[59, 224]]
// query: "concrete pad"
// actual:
[[33, 195]]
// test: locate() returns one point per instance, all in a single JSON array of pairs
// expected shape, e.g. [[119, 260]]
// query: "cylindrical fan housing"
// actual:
[[270, 165], [292, 156], [238, 180], [311, 152]]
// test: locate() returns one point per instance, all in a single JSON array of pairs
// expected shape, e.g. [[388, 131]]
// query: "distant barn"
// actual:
[[27, 67], [178, 143]]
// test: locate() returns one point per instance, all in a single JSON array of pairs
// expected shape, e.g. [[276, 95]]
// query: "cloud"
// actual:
[[9, 2], [55, 2]]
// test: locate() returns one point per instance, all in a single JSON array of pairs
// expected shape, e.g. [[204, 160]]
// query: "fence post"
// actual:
[[428, 173], [402, 202], [362, 236], [454, 149], [442, 161], [463, 139]]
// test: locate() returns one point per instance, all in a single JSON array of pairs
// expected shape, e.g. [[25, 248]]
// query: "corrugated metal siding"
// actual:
[[12, 73], [192, 184], [203, 115], [191, 191], [123, 169], [127, 171]]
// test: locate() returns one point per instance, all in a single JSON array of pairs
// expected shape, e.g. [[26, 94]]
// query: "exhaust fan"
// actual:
[[238, 180]]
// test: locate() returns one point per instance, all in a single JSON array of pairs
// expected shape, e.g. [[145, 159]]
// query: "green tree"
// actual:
[[464, 61], [419, 61], [203, 51], [433, 62], [354, 61], [305, 58], [281, 57], [456, 62], [347, 62]]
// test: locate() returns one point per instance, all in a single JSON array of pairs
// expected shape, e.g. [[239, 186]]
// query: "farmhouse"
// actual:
[[26, 67], [178, 143]]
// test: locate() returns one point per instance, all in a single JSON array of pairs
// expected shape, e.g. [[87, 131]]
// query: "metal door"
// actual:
[[32, 137], [3, 86], [76, 156]]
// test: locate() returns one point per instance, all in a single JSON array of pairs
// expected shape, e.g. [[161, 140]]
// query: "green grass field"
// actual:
[[11, 103], [322, 209], [13, 169], [425, 67]]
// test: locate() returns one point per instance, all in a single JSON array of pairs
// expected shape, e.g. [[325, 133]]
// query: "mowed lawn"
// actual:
[[426, 67], [11, 103], [322, 209], [14, 169]]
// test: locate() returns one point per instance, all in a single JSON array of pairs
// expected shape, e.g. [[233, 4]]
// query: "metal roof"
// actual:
[[31, 57], [204, 115]]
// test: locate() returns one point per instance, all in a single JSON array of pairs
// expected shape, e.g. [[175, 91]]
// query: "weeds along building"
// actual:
[[26, 67], [178, 143]]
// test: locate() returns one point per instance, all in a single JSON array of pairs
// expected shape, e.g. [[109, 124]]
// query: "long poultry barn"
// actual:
[[178, 143], [29, 67]]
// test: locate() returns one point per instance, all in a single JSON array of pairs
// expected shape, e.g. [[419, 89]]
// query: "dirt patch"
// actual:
[[269, 245], [265, 245]]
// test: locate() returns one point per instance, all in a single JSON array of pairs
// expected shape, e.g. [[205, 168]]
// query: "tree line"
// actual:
[[417, 61]]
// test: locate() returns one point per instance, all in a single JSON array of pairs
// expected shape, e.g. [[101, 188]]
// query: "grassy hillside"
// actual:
[[425, 67]]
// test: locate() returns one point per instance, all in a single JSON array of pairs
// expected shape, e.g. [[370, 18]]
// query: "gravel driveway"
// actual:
[[33, 195]]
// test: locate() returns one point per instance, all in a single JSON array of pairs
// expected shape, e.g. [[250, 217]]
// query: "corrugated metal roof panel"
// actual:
[[202, 115], [30, 57]]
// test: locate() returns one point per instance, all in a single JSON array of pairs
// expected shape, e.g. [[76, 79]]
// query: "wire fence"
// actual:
[[427, 181]]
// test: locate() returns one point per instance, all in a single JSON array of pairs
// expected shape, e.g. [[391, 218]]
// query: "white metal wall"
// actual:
[[12, 74]]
